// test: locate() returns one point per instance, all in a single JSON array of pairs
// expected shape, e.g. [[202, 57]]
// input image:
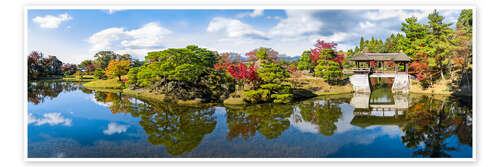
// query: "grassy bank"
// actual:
[[77, 79], [440, 88], [318, 86], [105, 84], [304, 87]]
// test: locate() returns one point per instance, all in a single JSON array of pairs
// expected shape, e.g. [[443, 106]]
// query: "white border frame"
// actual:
[[315, 7]]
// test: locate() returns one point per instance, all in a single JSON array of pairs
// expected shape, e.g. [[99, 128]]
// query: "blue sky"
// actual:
[[76, 35]]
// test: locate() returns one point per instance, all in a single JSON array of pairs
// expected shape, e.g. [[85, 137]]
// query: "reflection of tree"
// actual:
[[269, 119], [117, 103], [41, 90], [432, 122], [180, 129], [240, 123], [325, 114]]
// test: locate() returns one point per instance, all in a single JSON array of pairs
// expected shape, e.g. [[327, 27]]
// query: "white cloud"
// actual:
[[233, 28], [50, 21], [366, 24], [255, 13], [114, 128], [337, 37], [111, 11], [147, 37], [49, 118], [401, 14], [273, 17], [299, 22]]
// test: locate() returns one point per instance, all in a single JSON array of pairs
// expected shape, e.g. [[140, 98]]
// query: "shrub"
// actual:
[[257, 96], [99, 73]]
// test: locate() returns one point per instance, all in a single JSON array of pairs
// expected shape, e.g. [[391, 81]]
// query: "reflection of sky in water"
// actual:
[[76, 125]]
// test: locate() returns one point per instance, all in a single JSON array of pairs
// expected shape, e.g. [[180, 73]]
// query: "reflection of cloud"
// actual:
[[92, 98], [300, 124], [344, 123], [115, 128], [49, 118], [220, 111], [59, 155]]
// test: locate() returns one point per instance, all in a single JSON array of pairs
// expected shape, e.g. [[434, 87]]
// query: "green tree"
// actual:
[[274, 85], [305, 62], [103, 58], [416, 40], [182, 73], [99, 73], [327, 68], [439, 40]]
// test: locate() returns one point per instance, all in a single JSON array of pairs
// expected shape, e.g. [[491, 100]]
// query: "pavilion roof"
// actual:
[[380, 57]]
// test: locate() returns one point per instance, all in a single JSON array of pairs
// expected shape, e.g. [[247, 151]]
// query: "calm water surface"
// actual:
[[67, 120]]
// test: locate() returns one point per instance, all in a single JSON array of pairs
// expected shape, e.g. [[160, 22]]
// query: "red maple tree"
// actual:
[[321, 45], [270, 52], [243, 74], [420, 67]]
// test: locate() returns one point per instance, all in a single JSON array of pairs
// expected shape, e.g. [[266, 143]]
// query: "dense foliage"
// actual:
[[117, 68], [323, 61], [305, 62], [40, 66], [327, 67], [99, 73], [184, 73], [273, 85]]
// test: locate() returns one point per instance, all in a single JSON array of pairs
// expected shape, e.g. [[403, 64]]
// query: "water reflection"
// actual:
[[323, 114], [39, 91], [428, 125], [432, 123], [179, 129], [268, 119], [422, 126]]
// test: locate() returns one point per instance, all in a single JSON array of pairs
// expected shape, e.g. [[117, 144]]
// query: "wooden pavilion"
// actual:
[[379, 60]]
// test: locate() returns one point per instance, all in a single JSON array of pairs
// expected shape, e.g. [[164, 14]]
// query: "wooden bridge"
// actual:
[[385, 65]]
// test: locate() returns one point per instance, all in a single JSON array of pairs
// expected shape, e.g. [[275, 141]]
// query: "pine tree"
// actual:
[[274, 86], [305, 62], [327, 68], [440, 34]]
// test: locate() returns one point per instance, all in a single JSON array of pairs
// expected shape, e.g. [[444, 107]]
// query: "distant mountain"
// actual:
[[289, 58], [286, 58]]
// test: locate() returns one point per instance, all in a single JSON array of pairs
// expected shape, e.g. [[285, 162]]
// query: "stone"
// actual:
[[401, 84], [360, 82]]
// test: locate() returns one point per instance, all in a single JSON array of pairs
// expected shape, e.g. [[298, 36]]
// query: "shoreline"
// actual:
[[236, 98]]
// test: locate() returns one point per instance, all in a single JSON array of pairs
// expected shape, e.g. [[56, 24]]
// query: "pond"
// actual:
[[67, 120]]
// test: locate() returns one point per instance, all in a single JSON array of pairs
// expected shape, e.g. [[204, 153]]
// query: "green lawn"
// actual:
[[105, 84]]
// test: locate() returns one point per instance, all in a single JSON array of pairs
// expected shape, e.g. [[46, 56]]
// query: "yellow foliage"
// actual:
[[118, 68]]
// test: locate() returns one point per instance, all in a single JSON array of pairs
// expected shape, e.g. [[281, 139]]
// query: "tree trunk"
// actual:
[[442, 75], [119, 78]]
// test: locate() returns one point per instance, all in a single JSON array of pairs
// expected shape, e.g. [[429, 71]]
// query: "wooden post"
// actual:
[[396, 67], [406, 67], [383, 66]]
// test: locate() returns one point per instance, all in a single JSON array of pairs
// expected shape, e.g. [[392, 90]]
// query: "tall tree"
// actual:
[[273, 78], [327, 68], [103, 58], [305, 62], [439, 40]]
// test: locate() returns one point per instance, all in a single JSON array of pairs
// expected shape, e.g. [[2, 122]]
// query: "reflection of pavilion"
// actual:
[[379, 108]]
